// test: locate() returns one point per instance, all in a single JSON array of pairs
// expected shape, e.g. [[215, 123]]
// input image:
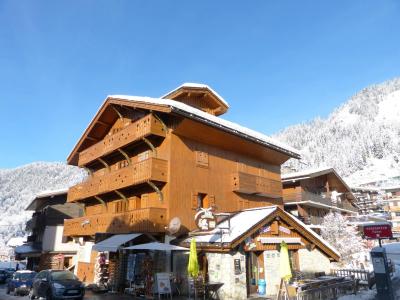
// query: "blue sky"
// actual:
[[276, 62]]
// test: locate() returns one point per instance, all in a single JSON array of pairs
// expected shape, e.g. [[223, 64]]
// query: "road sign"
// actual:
[[378, 231]]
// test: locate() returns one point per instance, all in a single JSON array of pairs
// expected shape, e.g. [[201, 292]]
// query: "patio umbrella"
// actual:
[[284, 264], [193, 266]]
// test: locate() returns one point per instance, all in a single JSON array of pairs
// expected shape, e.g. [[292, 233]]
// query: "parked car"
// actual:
[[9, 272], [21, 282], [57, 284], [3, 276]]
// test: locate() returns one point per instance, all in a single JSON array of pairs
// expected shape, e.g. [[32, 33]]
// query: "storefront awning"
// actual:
[[157, 246], [112, 244], [28, 250]]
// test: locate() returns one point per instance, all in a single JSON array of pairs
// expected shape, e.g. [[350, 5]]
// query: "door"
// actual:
[[254, 270]]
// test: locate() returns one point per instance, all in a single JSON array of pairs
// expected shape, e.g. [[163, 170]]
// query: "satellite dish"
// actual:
[[174, 226]]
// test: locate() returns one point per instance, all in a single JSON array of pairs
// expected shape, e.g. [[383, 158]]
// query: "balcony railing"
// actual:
[[146, 126], [253, 184], [139, 220], [151, 169]]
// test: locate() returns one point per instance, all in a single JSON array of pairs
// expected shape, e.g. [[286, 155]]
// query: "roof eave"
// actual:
[[235, 132]]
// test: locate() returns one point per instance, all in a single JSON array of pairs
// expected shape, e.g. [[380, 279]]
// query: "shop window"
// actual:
[[201, 159]]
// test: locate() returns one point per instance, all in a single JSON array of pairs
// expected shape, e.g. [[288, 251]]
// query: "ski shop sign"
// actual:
[[378, 231]]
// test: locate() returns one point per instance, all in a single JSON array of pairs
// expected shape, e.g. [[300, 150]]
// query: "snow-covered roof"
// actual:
[[239, 225], [16, 241], [49, 193], [200, 86], [231, 229], [194, 113], [44, 194], [307, 173], [318, 204]]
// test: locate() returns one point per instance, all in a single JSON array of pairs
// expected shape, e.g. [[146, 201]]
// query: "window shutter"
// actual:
[[194, 200], [211, 200]]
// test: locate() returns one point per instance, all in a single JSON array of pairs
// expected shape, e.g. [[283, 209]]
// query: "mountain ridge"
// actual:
[[360, 138], [18, 187]]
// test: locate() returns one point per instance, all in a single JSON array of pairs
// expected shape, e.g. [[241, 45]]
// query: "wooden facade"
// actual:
[[150, 161], [310, 195]]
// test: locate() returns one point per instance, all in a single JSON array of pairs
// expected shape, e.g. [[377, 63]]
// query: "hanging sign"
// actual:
[[381, 231], [205, 219]]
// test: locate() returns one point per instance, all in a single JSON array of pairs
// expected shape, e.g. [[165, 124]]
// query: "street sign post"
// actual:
[[382, 275]]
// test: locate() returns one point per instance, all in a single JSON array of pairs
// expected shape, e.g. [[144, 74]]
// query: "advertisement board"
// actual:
[[378, 231]]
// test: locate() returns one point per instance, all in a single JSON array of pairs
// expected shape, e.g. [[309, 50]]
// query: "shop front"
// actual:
[[243, 251]]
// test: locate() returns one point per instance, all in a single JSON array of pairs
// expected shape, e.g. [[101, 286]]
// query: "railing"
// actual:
[[327, 290], [140, 220], [253, 184], [148, 125], [364, 277], [149, 169], [322, 198]]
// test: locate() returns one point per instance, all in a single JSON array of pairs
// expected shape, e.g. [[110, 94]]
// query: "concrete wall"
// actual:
[[313, 261], [221, 269]]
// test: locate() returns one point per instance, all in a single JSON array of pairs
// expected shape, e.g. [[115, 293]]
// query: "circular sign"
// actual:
[[205, 219]]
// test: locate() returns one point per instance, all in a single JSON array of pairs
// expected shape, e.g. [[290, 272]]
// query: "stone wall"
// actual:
[[313, 261], [221, 268]]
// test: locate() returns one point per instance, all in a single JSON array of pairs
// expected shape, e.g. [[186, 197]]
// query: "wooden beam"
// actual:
[[125, 155], [92, 138], [104, 163], [118, 113], [157, 190], [151, 146], [121, 195], [103, 123]]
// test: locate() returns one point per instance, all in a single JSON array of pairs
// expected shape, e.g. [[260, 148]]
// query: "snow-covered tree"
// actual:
[[360, 139], [337, 231], [19, 186]]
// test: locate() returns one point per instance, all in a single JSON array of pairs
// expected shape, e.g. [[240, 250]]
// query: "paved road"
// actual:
[[4, 296]]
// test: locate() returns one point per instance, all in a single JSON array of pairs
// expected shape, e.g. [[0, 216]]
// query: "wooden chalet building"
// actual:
[[311, 194], [152, 160], [46, 248]]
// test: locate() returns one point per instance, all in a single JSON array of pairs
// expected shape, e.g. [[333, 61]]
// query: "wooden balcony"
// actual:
[[139, 220], [252, 184], [151, 169], [146, 126]]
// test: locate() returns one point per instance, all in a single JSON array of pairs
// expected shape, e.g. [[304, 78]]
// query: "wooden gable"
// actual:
[[199, 96], [278, 225]]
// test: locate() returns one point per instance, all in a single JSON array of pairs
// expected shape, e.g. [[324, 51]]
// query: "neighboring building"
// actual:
[[245, 248], [369, 200], [46, 248], [157, 160], [392, 207], [311, 194]]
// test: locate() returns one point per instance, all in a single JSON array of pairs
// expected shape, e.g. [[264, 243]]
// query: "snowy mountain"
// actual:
[[20, 185], [360, 139]]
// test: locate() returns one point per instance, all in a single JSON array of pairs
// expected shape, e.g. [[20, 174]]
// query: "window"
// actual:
[[202, 200], [201, 159]]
